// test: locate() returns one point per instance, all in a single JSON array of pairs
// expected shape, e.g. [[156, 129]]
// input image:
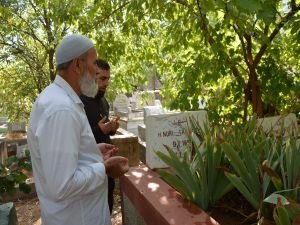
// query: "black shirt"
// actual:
[[96, 108]]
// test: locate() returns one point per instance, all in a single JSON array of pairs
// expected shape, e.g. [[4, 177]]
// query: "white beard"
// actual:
[[88, 85]]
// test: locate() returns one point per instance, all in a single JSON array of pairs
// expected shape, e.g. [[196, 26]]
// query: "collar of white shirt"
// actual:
[[61, 82]]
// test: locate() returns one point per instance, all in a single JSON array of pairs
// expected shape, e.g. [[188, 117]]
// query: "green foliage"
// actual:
[[29, 34], [289, 165], [146, 99], [12, 174], [185, 181], [285, 178], [280, 82], [281, 216], [198, 176], [269, 158], [211, 49], [16, 93], [285, 211], [256, 163], [242, 180], [271, 165]]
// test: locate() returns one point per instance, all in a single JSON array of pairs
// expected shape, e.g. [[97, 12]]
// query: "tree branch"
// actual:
[[37, 13], [266, 29], [295, 8], [243, 44], [110, 14], [293, 5], [31, 32], [211, 41], [249, 49]]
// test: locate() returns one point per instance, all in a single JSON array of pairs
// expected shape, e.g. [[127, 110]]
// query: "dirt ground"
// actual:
[[28, 211]]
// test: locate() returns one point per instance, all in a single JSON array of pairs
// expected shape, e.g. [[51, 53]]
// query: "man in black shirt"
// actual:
[[97, 111]]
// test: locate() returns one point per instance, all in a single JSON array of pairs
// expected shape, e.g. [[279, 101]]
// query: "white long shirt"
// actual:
[[68, 167]]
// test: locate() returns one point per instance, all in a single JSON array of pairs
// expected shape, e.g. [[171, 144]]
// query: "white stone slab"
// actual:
[[131, 125], [152, 110], [21, 150], [169, 129], [3, 120], [121, 103], [16, 127], [275, 124], [142, 131]]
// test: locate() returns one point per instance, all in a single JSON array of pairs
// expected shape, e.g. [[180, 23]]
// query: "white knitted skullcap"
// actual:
[[71, 47]]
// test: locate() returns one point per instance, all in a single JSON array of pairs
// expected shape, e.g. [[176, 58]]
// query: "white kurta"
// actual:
[[68, 168]]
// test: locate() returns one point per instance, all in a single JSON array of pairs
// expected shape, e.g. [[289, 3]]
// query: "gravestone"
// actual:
[[152, 110], [129, 119], [148, 110], [286, 125], [16, 127], [134, 99], [21, 150], [142, 131], [3, 120], [121, 103], [3, 151], [169, 129]]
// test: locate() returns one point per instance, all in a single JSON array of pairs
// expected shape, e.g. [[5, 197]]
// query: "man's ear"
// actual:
[[78, 64]]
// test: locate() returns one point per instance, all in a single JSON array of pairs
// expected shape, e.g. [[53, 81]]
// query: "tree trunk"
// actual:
[[51, 64], [254, 93]]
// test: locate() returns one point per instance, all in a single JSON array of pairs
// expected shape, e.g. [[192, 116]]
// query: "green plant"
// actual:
[[290, 166], [285, 178], [256, 163], [261, 164], [198, 176], [245, 147], [12, 174], [285, 211], [146, 98]]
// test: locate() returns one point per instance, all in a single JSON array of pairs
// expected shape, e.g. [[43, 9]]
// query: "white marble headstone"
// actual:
[[169, 129], [121, 103], [277, 124], [152, 110]]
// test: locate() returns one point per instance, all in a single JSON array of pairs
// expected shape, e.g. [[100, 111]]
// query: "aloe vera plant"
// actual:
[[198, 176], [290, 166], [252, 161], [286, 180], [286, 211], [261, 163], [245, 148]]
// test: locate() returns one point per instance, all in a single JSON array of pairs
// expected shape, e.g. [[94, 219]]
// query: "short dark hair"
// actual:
[[64, 66], [102, 64]]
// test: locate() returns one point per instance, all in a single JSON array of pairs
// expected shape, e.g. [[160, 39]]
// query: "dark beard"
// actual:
[[100, 94]]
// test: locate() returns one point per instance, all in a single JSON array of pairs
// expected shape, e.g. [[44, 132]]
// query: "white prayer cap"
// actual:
[[71, 47]]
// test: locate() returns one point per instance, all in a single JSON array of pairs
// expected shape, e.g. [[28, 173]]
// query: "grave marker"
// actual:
[[121, 103], [277, 124], [169, 129]]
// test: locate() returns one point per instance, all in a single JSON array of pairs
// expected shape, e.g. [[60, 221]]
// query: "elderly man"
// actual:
[[70, 169], [97, 111]]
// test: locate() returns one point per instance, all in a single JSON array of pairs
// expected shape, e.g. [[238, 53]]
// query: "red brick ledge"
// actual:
[[157, 202]]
